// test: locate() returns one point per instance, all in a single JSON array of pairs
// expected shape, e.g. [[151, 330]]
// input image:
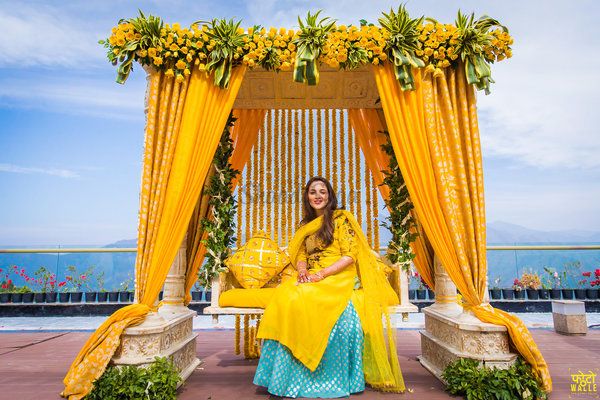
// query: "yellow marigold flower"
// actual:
[[205, 38], [184, 50], [116, 52], [445, 63], [179, 78], [152, 52], [508, 53], [189, 58], [429, 68], [173, 47], [383, 56], [186, 72], [240, 31], [142, 53], [286, 66], [500, 57], [341, 57], [181, 64], [168, 54], [169, 72], [428, 51], [454, 56], [438, 73], [121, 42], [138, 36], [180, 41], [158, 61], [251, 63], [114, 29], [375, 61], [176, 26]]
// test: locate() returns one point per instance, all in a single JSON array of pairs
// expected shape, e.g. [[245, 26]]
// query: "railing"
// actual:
[[117, 263]]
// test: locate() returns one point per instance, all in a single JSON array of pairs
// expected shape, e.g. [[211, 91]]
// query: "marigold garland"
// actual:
[[368, 205], [342, 133], [269, 173], [327, 147], [289, 178], [220, 45], [311, 144], [237, 334], [358, 182]]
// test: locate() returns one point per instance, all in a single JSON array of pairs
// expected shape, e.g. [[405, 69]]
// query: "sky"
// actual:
[[71, 139]]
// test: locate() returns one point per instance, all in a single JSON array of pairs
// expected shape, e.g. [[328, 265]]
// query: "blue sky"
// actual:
[[71, 138]]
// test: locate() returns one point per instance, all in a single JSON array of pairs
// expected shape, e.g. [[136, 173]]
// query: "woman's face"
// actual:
[[318, 195]]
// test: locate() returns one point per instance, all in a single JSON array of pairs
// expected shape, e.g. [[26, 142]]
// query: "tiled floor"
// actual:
[[33, 364]]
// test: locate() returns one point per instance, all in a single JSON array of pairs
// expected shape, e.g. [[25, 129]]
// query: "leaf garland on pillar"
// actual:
[[401, 224], [219, 226]]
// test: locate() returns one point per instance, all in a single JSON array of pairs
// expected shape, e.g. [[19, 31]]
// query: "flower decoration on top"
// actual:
[[402, 43], [219, 45], [309, 43]]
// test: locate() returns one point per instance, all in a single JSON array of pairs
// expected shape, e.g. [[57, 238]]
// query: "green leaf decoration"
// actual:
[[219, 227], [310, 41], [402, 44], [474, 37], [226, 39], [401, 223]]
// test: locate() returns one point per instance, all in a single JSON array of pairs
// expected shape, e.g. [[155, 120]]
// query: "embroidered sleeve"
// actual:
[[347, 239], [302, 252]]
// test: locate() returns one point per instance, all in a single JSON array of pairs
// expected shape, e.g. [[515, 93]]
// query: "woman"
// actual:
[[313, 327]]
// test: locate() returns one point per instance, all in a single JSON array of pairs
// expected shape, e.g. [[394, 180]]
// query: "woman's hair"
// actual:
[[325, 232]]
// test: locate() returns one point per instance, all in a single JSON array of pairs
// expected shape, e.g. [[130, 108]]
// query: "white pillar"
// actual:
[[174, 288], [445, 291]]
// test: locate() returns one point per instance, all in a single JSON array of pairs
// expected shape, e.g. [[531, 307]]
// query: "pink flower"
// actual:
[[61, 284], [83, 277], [9, 282]]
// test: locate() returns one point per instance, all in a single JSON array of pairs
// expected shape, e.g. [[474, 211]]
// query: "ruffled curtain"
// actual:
[[435, 136], [244, 134], [184, 125], [369, 127]]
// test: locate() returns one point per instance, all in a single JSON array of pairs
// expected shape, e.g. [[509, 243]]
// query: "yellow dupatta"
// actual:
[[380, 360]]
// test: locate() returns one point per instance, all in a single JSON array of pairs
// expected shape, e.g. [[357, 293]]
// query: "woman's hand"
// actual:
[[316, 277], [302, 276]]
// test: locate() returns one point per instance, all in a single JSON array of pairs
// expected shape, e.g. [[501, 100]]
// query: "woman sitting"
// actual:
[[323, 338]]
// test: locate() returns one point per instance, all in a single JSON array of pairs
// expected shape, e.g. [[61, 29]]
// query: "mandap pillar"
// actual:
[[452, 333]]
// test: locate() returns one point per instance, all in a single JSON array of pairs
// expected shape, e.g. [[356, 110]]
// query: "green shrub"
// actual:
[[157, 382], [466, 378]]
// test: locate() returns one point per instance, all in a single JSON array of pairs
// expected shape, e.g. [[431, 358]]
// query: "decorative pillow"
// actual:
[[257, 261]]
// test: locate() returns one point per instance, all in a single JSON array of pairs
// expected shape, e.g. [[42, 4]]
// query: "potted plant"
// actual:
[[508, 293], [554, 282], [102, 293], [124, 289], [592, 291], [580, 292], [495, 292], [64, 295], [47, 284], [6, 288], [518, 289], [420, 291], [196, 292], [531, 282], [89, 292]]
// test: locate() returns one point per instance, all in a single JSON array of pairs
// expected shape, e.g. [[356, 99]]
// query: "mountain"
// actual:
[[500, 232]]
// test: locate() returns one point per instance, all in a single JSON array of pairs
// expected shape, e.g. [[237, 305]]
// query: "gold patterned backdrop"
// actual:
[[292, 146]]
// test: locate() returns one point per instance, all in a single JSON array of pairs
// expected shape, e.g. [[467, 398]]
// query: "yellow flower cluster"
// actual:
[[500, 46], [531, 280], [179, 49], [273, 48], [346, 47], [438, 46]]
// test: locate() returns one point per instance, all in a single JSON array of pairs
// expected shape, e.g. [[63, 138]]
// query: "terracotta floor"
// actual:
[[32, 366]]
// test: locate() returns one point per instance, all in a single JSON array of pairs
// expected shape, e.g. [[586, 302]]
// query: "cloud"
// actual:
[[43, 35], [62, 173]]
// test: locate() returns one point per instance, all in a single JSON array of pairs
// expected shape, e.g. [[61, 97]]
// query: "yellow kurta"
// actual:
[[301, 316]]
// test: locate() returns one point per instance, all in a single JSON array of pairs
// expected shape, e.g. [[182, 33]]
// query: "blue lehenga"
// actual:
[[339, 374]]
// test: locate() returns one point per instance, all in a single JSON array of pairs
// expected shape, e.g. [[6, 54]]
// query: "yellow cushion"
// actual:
[[249, 298], [257, 261], [288, 273]]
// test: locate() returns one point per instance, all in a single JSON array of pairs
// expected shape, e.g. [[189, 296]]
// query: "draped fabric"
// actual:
[[184, 125], [369, 127], [244, 135], [435, 137]]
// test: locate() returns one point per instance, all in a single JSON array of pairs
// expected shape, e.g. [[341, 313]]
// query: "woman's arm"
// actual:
[[333, 269], [301, 267]]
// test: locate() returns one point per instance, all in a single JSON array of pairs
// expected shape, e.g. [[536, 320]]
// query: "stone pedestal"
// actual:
[[452, 333], [569, 317], [166, 333]]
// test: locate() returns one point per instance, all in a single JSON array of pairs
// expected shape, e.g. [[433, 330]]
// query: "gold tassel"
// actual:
[[297, 169], [277, 194], [303, 159], [319, 143], [246, 336], [335, 152], [375, 215], [289, 179], [368, 205], [327, 147], [358, 182], [261, 180], [311, 144], [343, 177], [237, 334], [351, 179], [269, 173]]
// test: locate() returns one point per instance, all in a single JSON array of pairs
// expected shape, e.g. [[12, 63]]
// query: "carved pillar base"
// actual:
[[448, 337], [157, 337]]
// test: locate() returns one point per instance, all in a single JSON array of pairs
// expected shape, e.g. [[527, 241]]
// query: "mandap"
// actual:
[[413, 78]]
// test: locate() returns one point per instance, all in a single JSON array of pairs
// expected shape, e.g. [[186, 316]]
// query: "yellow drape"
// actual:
[[244, 134], [435, 137], [369, 129], [184, 125]]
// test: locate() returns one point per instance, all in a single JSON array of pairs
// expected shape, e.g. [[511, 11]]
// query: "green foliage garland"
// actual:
[[312, 37], [220, 224], [157, 382], [402, 225], [466, 378]]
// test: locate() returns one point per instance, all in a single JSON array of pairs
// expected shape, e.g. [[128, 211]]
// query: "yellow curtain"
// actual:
[[435, 136], [369, 129], [244, 134], [184, 125]]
